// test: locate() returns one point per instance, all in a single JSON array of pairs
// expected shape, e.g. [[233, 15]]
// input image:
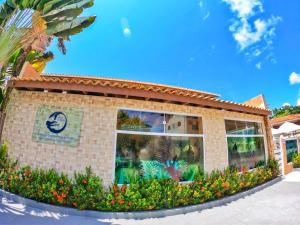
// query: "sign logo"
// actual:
[[57, 122]]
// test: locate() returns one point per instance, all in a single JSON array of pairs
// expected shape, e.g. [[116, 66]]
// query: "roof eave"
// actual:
[[133, 93]]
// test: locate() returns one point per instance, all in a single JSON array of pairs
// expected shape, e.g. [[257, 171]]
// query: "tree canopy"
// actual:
[[285, 111]]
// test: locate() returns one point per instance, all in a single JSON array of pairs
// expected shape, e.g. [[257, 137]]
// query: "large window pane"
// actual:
[[140, 121], [253, 128], [154, 122], [183, 124], [129, 120], [243, 128], [245, 151], [291, 149], [157, 157]]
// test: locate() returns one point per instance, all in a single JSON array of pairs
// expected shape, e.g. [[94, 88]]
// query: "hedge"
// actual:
[[86, 191]]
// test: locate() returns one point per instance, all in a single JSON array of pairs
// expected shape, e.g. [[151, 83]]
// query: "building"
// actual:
[[277, 122], [126, 129], [292, 139]]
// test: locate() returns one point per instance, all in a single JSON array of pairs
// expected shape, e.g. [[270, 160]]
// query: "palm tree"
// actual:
[[54, 19], [27, 28]]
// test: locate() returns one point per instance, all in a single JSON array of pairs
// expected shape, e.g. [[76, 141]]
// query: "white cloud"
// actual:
[[258, 65], [298, 102], [126, 27], [207, 15], [127, 32], [286, 104], [294, 78], [245, 8], [200, 4], [257, 34]]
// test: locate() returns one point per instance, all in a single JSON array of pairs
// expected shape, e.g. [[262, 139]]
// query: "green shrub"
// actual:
[[296, 160], [86, 191]]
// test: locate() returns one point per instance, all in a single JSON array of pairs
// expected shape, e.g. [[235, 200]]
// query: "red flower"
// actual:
[[54, 193], [226, 185], [116, 194], [60, 199], [61, 182], [121, 201], [218, 194], [63, 195], [27, 173], [112, 202], [84, 182], [74, 204], [115, 187], [244, 169], [123, 188]]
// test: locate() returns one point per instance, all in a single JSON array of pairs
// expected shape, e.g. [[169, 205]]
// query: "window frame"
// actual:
[[263, 135], [156, 134]]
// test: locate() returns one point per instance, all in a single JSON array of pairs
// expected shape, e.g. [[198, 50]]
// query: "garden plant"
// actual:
[[296, 160], [86, 191]]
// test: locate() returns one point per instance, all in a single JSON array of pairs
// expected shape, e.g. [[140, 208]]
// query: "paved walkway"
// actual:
[[278, 204]]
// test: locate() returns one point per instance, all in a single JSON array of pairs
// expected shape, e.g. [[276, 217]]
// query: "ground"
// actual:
[[278, 204]]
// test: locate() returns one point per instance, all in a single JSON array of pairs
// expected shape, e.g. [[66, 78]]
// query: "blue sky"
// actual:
[[236, 48]]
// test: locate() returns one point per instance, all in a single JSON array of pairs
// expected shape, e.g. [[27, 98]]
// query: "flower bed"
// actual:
[[85, 191]]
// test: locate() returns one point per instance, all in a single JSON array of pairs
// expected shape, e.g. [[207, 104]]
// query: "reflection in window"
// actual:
[[291, 149], [245, 151], [149, 156], [158, 122], [245, 143], [140, 121], [158, 145], [183, 124], [242, 127]]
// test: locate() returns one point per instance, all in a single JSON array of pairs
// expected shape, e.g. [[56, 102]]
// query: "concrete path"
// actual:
[[278, 204]]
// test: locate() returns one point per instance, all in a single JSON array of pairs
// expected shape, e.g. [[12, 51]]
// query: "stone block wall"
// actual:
[[98, 131]]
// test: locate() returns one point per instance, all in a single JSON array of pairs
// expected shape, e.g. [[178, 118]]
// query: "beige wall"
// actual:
[[97, 139]]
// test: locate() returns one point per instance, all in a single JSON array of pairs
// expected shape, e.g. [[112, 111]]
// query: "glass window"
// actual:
[[242, 127], [129, 120], [291, 149], [245, 143], [140, 121], [245, 151], [158, 122], [152, 145], [253, 128], [154, 122], [151, 156]]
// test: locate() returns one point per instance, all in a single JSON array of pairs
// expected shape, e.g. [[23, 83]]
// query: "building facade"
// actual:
[[125, 129]]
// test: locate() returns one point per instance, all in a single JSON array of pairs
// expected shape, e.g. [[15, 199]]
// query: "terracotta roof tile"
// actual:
[[283, 119], [127, 85]]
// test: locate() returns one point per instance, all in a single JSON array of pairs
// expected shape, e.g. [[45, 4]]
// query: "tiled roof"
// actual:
[[283, 119], [131, 89]]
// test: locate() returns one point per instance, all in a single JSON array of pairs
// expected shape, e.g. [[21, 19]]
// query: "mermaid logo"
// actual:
[[57, 122]]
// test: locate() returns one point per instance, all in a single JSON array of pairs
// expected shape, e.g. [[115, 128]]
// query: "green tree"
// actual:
[[285, 111]]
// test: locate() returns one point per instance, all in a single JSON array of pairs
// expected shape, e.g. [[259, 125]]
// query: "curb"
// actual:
[[135, 215]]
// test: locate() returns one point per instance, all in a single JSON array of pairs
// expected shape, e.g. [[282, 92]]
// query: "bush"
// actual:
[[296, 160], [86, 191]]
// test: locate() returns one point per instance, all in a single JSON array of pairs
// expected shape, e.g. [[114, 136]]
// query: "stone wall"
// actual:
[[98, 136]]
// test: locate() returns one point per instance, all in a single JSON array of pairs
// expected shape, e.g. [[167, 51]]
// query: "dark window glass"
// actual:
[[291, 149], [245, 151], [148, 156]]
